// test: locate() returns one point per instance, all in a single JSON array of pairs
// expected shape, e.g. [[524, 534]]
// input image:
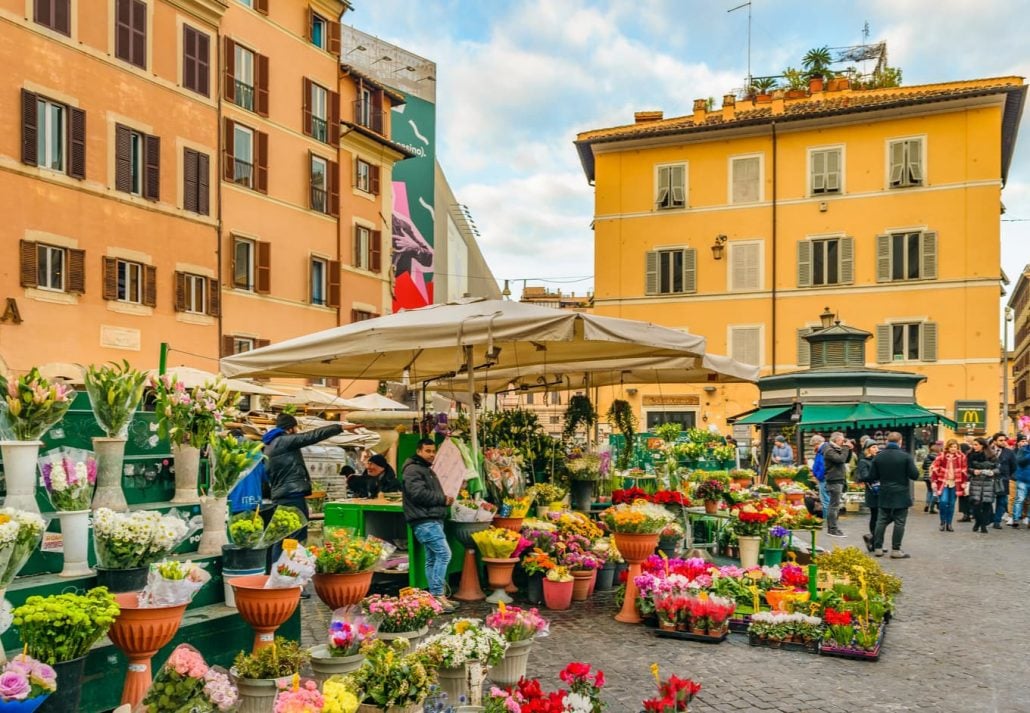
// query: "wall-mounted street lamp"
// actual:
[[718, 246]]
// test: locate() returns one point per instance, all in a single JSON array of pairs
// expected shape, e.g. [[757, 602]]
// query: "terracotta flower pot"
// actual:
[[264, 609], [468, 588], [509, 523], [635, 548], [795, 498], [581, 584], [498, 574], [557, 595], [341, 590], [141, 633], [711, 507]]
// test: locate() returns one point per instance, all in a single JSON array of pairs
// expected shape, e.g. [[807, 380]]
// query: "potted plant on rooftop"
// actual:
[[115, 390], [816, 63]]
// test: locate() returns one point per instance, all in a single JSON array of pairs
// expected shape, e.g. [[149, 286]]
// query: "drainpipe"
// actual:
[[774, 241], [219, 170]]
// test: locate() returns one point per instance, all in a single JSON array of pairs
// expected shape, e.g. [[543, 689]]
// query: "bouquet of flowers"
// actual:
[[346, 556], [284, 522], [469, 509], [503, 474], [348, 631], [408, 612], [62, 627], [538, 562], [297, 697], [515, 507], [190, 417], [69, 477], [585, 467], [390, 676], [20, 534], [246, 529], [464, 640], [776, 536], [498, 542], [114, 392], [800, 519], [546, 493], [576, 553], [171, 582], [296, 565], [541, 535], [640, 517], [527, 696], [231, 459], [585, 686], [31, 405], [674, 694], [128, 540], [25, 680], [750, 521], [576, 523], [339, 698], [186, 684], [517, 624]]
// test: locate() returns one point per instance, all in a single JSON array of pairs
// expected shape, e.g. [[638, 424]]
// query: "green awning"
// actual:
[[762, 415], [866, 415]]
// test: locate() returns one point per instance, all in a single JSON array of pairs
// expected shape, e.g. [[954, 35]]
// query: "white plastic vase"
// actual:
[[110, 454], [215, 513], [74, 538], [187, 466], [20, 473], [749, 547]]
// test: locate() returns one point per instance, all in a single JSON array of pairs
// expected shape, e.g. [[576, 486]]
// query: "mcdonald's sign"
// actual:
[[971, 416]]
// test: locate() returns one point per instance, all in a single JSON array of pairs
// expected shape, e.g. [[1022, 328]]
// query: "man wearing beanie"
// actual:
[[378, 477]]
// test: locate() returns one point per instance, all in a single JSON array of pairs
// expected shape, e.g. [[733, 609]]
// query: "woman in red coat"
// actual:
[[949, 479]]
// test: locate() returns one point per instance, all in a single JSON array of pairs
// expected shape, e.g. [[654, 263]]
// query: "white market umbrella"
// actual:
[[373, 402], [308, 396], [192, 378]]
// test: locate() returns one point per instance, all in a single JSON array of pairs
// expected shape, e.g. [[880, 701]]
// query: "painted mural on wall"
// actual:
[[414, 126]]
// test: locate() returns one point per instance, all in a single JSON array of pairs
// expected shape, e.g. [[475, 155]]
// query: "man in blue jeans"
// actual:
[[425, 507], [1022, 476]]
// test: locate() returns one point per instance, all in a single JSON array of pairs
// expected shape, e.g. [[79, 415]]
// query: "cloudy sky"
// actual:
[[517, 79]]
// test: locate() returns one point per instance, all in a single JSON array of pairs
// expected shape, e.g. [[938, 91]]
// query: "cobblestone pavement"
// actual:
[[957, 642]]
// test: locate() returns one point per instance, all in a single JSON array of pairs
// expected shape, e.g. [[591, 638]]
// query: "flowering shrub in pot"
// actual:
[[186, 682], [463, 650], [392, 677], [406, 616]]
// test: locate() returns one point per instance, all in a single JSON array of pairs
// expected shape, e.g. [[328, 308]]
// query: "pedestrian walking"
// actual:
[[836, 454], [1022, 476], [425, 507], [872, 488], [948, 478], [782, 453], [1006, 471], [818, 468], [936, 449], [893, 468], [983, 483]]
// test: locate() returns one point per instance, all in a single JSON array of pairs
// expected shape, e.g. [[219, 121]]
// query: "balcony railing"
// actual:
[[368, 115], [243, 173], [244, 95], [318, 200], [319, 128]]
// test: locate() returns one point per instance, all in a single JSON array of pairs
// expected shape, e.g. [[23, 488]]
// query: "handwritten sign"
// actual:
[[450, 468]]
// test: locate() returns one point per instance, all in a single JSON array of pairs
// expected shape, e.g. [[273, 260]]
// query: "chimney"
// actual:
[[700, 110], [643, 117], [729, 107]]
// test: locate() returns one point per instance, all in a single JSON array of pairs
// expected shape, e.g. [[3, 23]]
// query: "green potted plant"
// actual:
[[622, 418], [817, 67], [580, 412], [711, 491], [392, 678], [584, 471], [258, 675], [343, 568]]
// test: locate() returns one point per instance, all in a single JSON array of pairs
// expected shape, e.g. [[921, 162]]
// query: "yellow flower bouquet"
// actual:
[[497, 542]]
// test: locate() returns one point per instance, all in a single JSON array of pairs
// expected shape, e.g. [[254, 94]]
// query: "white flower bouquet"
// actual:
[[130, 540], [171, 582], [464, 640], [68, 476], [295, 567], [20, 534]]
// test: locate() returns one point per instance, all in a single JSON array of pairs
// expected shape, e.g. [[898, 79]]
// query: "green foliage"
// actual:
[[622, 418], [817, 62], [114, 392], [391, 677], [763, 85], [520, 430], [63, 627], [579, 411], [668, 432], [231, 458], [795, 78], [847, 561], [283, 658]]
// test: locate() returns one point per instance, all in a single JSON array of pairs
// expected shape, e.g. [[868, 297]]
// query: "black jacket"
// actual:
[[423, 494], [367, 485], [984, 485], [928, 461], [1006, 464], [894, 467], [836, 457], [287, 474], [872, 489]]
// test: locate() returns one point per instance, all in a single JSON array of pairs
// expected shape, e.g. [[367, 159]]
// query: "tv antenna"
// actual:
[[747, 84]]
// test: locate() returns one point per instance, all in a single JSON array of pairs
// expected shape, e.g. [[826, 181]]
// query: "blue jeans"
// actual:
[[946, 504], [438, 553], [1022, 490], [824, 498], [930, 497], [1001, 503]]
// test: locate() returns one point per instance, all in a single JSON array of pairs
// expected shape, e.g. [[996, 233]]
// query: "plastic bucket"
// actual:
[[228, 574], [236, 558]]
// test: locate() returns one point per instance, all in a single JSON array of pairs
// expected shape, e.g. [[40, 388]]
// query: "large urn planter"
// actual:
[[69, 687], [110, 454], [187, 468], [513, 666], [140, 633], [414, 637], [498, 574], [455, 683], [264, 609], [557, 595], [509, 523], [581, 584], [214, 511], [74, 542], [634, 548], [257, 695], [341, 590], [468, 588], [324, 664], [20, 473], [749, 548]]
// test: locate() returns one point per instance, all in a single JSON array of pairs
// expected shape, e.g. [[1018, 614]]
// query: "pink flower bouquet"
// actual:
[[186, 682], [25, 683]]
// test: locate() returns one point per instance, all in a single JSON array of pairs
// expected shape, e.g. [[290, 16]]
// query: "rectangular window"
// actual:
[[195, 180], [362, 243], [319, 120], [319, 31], [672, 187], [196, 60], [826, 171], [243, 76], [368, 111], [55, 14], [50, 267], [357, 315], [50, 134], [130, 282], [318, 281], [685, 419], [319, 184], [746, 344], [906, 341], [364, 113], [746, 179], [906, 163], [242, 344], [196, 294], [243, 264], [137, 162], [130, 39], [363, 176], [671, 271], [745, 266], [910, 255], [243, 155]]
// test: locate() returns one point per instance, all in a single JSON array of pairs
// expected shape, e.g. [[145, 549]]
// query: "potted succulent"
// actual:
[[115, 390], [343, 568], [59, 630], [519, 627], [259, 674], [392, 679], [348, 631], [464, 649]]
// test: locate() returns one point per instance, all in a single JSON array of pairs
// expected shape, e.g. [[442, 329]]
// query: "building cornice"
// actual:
[[210, 11]]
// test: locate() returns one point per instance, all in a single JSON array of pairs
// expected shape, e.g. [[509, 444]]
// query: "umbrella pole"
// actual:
[[473, 426]]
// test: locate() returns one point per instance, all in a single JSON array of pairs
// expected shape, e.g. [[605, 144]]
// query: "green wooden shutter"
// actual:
[[846, 254], [833, 171], [915, 161], [804, 263], [883, 343], [651, 272], [928, 269], [897, 158], [883, 258], [804, 348], [818, 171], [690, 270], [928, 339]]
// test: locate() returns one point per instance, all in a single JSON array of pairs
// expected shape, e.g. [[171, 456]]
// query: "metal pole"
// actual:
[[473, 426], [162, 363]]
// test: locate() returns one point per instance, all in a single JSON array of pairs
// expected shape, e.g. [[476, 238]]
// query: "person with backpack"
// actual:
[[818, 469]]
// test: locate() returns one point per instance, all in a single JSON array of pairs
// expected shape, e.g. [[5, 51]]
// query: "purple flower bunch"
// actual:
[[24, 678]]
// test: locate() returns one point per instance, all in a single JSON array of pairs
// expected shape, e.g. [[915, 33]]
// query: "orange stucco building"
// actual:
[[196, 172]]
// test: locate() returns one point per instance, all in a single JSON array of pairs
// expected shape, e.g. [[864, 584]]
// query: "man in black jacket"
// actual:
[[893, 467], [1006, 470], [836, 456], [425, 507], [379, 477]]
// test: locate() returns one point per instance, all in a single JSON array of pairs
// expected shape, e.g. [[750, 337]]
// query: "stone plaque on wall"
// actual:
[[120, 338], [671, 400]]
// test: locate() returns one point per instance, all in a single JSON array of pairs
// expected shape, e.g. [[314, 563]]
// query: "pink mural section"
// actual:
[[412, 256]]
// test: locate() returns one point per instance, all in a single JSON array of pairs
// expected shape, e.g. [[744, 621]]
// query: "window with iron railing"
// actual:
[[318, 199], [244, 173], [319, 128], [368, 115], [244, 95]]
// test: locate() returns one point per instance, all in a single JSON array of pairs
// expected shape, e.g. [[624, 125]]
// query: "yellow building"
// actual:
[[742, 223]]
